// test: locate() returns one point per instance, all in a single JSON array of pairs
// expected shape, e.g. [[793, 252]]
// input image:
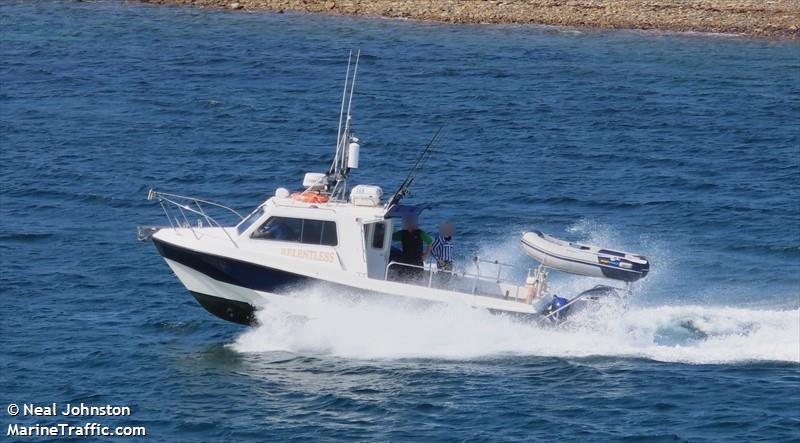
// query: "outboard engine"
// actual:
[[556, 305]]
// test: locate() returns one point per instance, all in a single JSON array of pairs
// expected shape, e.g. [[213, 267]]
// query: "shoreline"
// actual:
[[776, 19]]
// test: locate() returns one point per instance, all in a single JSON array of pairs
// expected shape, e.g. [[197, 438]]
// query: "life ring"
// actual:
[[310, 197]]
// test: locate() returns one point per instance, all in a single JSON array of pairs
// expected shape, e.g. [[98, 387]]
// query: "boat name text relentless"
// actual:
[[308, 255]]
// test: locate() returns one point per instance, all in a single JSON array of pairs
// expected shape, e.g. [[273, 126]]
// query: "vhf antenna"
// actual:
[[349, 106], [341, 162], [341, 115]]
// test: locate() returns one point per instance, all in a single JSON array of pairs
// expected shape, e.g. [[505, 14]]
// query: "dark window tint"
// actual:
[[295, 228], [329, 234], [378, 235], [312, 232], [252, 218], [280, 228]]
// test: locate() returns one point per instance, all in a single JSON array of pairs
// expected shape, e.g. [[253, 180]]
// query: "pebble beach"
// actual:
[[770, 19]]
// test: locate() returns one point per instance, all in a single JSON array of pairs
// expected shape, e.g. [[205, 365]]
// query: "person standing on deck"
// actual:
[[442, 251], [412, 239]]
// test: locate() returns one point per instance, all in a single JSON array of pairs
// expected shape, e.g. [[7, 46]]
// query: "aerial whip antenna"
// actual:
[[349, 106], [341, 114], [346, 154]]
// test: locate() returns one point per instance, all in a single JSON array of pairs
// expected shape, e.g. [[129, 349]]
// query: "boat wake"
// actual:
[[349, 327]]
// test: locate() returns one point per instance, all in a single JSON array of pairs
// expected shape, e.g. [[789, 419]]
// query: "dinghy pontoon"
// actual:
[[579, 259]]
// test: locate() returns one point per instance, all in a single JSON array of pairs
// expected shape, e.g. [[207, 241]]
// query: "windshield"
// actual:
[[252, 218]]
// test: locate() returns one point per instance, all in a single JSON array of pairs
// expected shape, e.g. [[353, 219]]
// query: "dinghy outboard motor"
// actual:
[[557, 309]]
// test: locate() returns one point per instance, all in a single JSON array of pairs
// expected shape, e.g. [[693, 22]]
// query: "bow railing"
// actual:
[[176, 207]]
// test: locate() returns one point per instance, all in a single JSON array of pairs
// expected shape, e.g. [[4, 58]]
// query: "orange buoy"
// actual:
[[310, 197]]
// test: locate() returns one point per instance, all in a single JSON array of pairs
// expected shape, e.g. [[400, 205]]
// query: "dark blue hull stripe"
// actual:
[[231, 271]]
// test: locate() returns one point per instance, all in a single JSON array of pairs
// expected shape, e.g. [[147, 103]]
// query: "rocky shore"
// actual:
[[759, 18]]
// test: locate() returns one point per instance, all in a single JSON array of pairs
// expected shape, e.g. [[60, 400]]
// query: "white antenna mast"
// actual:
[[349, 106], [341, 114], [341, 162]]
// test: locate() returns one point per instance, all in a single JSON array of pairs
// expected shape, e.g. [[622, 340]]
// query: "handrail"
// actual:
[[476, 276], [500, 265], [492, 262], [315, 207], [167, 197], [393, 263], [408, 265], [153, 194]]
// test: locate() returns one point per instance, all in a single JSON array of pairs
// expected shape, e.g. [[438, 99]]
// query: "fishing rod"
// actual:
[[402, 190]]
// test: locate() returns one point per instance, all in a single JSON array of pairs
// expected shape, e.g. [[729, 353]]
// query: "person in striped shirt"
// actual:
[[442, 251]]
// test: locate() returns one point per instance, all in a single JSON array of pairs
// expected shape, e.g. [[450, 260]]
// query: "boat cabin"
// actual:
[[329, 237], [355, 234]]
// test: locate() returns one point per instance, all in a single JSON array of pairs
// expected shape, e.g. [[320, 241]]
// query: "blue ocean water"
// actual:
[[685, 148]]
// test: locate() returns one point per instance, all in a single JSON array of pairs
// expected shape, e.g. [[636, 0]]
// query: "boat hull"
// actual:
[[234, 290], [228, 288], [230, 270], [226, 309]]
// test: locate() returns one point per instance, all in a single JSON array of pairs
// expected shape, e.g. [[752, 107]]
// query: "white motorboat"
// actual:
[[330, 234]]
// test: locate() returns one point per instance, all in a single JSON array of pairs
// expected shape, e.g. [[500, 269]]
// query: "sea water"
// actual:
[[684, 148]]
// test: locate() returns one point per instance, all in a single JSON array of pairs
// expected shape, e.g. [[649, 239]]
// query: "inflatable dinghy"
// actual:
[[590, 261]]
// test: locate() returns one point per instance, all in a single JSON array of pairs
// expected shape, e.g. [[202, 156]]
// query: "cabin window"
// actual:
[[310, 232], [378, 235], [245, 224], [329, 234]]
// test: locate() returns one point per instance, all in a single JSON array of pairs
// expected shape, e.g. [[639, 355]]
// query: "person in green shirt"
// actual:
[[416, 244]]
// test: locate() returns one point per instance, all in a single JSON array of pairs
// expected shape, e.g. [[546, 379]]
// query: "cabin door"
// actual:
[[377, 239]]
